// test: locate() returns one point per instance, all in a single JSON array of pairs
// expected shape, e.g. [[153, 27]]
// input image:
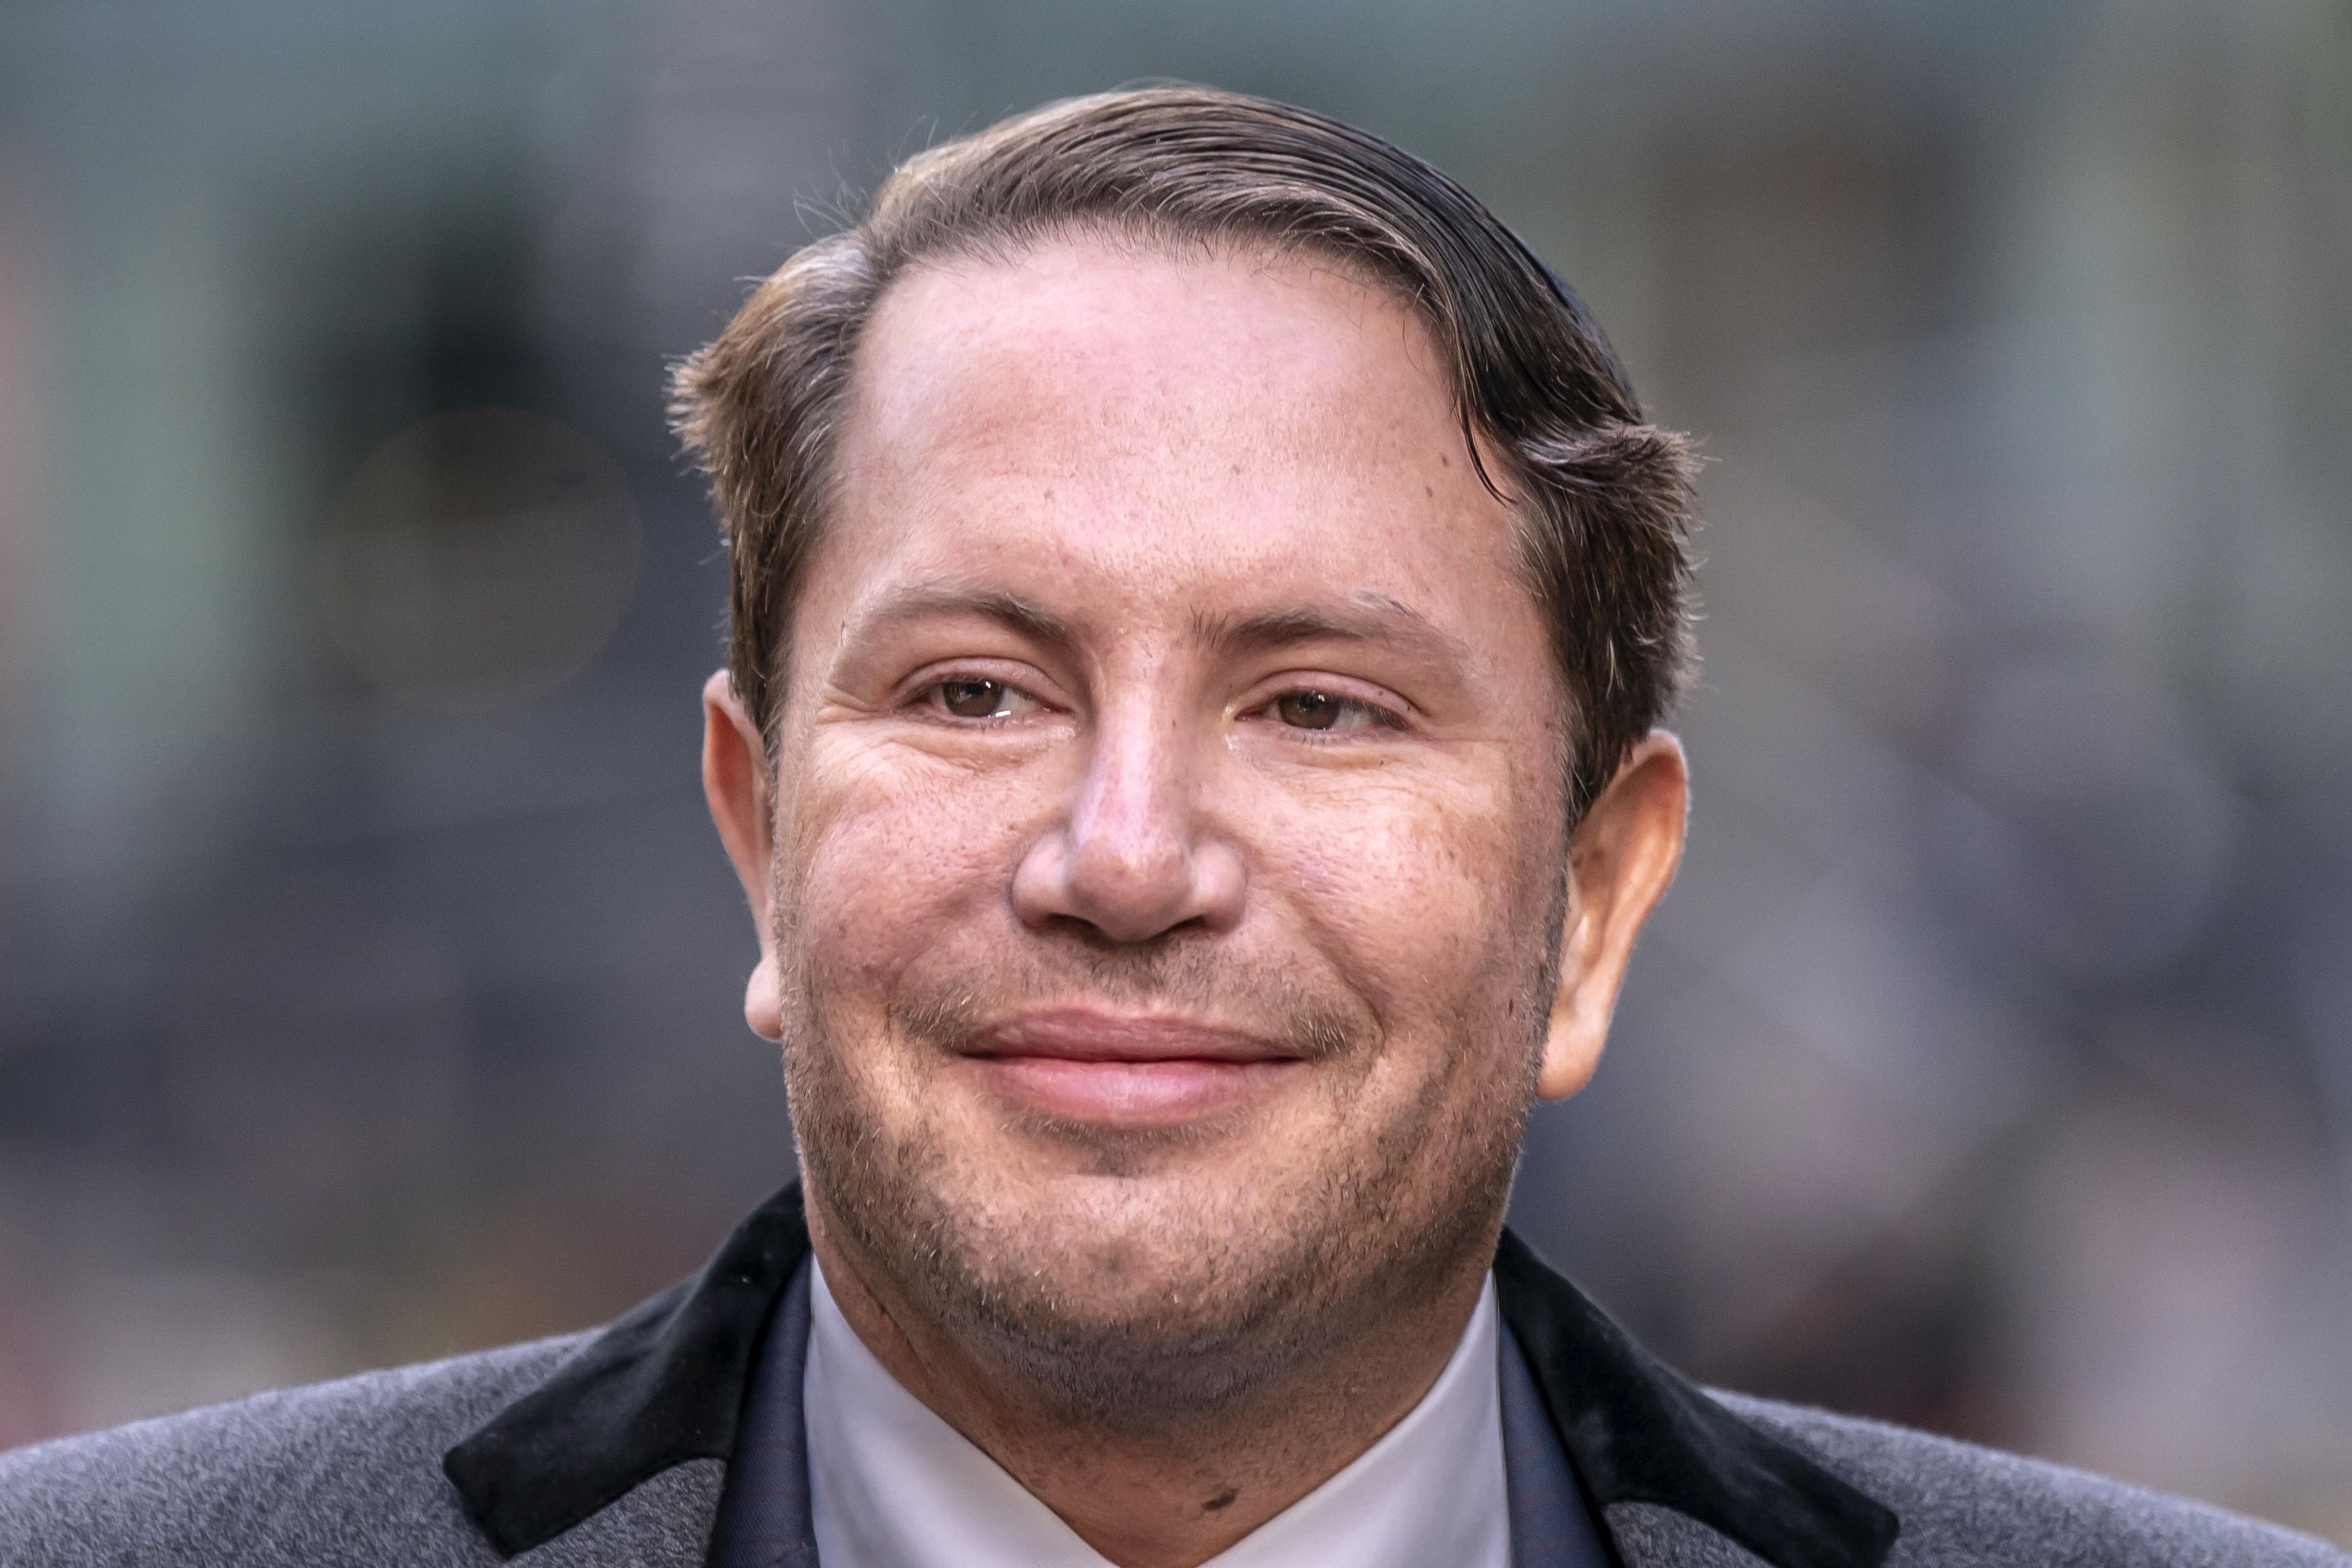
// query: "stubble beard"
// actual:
[[1211, 1293]]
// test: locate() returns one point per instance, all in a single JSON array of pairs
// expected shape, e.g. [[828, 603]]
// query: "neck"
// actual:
[[1169, 1495]]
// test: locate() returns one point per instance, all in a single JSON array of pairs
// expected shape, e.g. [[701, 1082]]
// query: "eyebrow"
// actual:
[[1366, 617], [926, 601]]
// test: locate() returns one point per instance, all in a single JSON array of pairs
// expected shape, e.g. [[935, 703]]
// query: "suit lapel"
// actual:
[[661, 1522], [1651, 1535], [1552, 1524], [767, 1518]]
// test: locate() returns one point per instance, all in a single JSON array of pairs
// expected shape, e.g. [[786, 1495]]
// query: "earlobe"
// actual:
[[1621, 862], [763, 999], [735, 783]]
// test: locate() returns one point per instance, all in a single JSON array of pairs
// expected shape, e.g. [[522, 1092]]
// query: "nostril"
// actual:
[[1122, 893], [1101, 936]]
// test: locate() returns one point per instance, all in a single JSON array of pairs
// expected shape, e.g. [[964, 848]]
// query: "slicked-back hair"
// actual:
[[1602, 495]]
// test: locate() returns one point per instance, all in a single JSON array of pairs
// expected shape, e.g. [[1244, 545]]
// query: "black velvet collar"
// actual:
[[1638, 1432], [666, 1384]]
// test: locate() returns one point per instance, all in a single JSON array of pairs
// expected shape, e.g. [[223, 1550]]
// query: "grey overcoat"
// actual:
[[609, 1449]]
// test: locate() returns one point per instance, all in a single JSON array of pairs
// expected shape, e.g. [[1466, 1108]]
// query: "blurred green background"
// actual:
[[369, 975]]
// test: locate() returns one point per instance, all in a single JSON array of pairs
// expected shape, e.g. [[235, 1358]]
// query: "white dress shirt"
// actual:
[[894, 1486]]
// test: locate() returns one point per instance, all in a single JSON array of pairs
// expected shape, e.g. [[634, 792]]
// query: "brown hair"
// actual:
[[1604, 494]]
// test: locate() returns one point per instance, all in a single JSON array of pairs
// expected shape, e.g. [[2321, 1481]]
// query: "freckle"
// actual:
[[1219, 1503]]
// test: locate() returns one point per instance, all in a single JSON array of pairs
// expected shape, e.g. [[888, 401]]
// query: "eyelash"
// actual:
[[1376, 714], [930, 696]]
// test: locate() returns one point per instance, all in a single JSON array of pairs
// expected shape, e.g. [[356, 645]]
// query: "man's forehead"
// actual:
[[1229, 447], [1133, 341]]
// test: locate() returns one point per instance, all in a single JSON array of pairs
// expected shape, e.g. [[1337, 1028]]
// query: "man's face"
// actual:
[[1169, 836]]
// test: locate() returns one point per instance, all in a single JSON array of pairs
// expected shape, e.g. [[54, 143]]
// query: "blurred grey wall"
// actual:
[[368, 975]]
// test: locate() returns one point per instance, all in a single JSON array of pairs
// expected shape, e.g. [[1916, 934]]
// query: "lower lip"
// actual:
[[1130, 1093]]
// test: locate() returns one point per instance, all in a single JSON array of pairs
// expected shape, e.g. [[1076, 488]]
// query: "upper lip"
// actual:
[[1083, 1034]]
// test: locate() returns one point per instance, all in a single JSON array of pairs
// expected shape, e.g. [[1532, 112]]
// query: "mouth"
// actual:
[[1078, 1064]]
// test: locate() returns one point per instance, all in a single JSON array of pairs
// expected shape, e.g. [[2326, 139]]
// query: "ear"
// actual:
[[1620, 860], [735, 782]]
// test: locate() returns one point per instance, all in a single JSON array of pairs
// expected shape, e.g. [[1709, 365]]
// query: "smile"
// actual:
[[1079, 1065]]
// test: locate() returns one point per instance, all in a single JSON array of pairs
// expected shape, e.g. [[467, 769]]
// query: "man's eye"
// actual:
[[1311, 709], [974, 696]]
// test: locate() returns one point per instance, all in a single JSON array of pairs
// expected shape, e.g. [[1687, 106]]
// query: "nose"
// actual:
[[1131, 857]]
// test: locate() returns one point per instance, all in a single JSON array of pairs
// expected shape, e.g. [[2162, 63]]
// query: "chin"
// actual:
[[1128, 1329], [1181, 1265]]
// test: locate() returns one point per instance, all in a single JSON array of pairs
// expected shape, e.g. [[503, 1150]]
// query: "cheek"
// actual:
[[1419, 889], [890, 854]]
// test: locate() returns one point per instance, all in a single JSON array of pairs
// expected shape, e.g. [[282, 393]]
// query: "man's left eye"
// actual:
[[1308, 708], [977, 697]]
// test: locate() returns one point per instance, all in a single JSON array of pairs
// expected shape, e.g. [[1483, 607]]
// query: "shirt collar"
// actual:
[[666, 1384], [896, 1487]]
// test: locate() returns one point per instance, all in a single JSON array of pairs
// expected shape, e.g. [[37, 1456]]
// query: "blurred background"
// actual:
[[370, 976]]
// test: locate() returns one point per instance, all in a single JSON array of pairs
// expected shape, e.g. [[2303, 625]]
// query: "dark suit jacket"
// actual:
[[612, 1448]]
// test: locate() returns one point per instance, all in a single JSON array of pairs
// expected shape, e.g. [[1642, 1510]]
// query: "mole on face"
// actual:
[[1223, 1500]]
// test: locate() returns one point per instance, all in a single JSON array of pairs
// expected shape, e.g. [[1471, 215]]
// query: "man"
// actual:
[[1204, 594]]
